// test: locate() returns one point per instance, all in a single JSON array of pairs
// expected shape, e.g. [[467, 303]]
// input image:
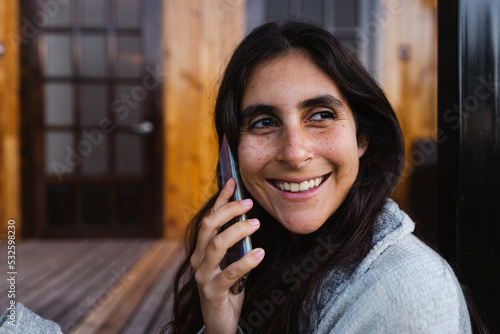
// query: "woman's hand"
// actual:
[[221, 308]]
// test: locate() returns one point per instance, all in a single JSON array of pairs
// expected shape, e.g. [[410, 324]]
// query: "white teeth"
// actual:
[[296, 187]]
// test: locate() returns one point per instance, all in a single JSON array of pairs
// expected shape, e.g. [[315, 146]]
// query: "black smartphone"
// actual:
[[227, 170]]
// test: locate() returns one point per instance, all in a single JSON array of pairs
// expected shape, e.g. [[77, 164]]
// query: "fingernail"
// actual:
[[246, 202], [254, 222], [259, 253]]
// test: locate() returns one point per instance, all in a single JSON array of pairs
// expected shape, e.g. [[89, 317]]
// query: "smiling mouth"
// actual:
[[296, 187]]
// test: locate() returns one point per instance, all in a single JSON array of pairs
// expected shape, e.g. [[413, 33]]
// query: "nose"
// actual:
[[295, 148]]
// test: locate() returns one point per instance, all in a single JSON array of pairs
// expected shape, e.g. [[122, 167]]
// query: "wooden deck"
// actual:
[[96, 286]]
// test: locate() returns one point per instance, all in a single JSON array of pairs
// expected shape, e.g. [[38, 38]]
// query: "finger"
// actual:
[[219, 245], [229, 276], [225, 194], [211, 224]]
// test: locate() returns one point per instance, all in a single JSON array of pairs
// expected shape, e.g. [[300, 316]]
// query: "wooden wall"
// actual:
[[199, 36], [9, 119], [409, 72]]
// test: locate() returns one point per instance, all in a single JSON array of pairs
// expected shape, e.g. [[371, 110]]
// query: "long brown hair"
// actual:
[[279, 294]]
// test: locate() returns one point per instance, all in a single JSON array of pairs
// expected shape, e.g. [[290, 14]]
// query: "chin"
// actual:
[[301, 225]]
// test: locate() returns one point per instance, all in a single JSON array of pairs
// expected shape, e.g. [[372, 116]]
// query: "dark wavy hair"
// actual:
[[348, 232]]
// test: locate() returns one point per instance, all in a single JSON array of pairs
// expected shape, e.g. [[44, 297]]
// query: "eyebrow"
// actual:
[[255, 109], [259, 108], [321, 100]]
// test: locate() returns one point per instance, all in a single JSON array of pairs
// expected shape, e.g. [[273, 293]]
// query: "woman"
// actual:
[[319, 150]]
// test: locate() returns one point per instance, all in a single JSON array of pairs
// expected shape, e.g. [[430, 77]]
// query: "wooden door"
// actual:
[[92, 156]]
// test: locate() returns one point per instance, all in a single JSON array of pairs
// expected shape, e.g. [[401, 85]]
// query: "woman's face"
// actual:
[[298, 153]]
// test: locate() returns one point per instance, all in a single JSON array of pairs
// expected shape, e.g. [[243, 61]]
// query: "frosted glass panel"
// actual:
[[94, 55], [93, 12], [128, 13], [58, 104], [312, 10], [60, 157], [93, 104], [278, 8], [130, 59], [58, 55], [345, 13], [54, 13], [128, 108], [96, 162], [351, 44], [129, 154]]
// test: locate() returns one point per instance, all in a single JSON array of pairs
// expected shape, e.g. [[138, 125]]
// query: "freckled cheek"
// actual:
[[340, 152], [344, 155], [255, 149], [252, 159]]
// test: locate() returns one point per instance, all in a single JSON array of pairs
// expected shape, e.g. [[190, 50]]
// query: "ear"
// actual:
[[363, 142]]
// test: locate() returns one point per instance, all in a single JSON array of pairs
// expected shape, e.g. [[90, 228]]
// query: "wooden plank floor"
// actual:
[[96, 286]]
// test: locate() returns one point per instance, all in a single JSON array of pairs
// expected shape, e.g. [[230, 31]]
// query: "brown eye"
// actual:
[[264, 123], [322, 115]]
